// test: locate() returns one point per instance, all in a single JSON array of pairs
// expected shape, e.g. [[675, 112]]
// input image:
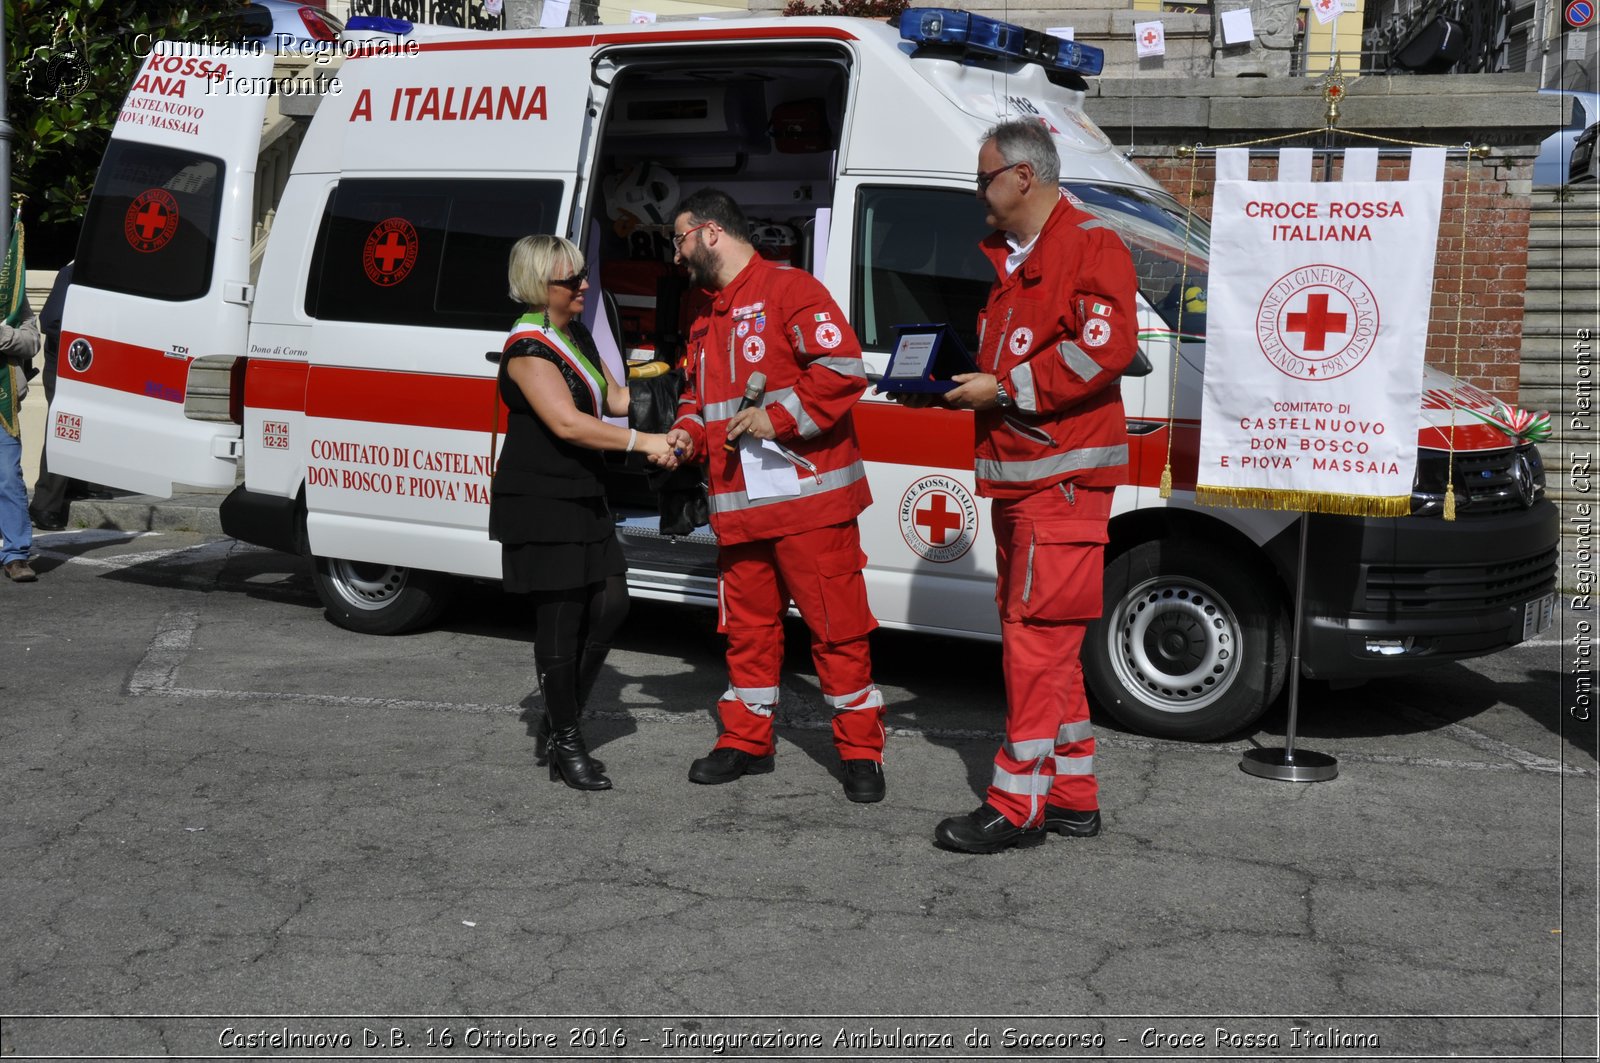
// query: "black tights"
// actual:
[[569, 619]]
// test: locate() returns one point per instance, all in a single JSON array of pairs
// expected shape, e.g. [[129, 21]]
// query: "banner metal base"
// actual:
[[1300, 765]]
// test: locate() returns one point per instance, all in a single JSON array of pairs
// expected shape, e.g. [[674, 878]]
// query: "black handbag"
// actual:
[[680, 493]]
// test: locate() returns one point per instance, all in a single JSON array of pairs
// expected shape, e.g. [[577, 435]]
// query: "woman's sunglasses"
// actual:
[[574, 282]]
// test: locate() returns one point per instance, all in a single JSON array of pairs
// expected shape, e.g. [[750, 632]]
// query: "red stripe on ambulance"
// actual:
[[127, 367], [425, 400]]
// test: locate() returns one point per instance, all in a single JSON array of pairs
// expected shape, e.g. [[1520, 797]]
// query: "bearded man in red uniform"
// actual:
[[786, 484], [1058, 330]]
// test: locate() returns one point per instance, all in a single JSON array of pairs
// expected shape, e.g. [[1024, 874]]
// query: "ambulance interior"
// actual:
[[763, 127]]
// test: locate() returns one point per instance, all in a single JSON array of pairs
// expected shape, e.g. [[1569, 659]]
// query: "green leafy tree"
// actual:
[[68, 66], [889, 9]]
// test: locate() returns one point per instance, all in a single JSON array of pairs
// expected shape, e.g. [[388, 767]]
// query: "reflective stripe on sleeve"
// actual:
[[1040, 468], [1022, 390], [1092, 223], [790, 401], [733, 501], [844, 366], [1031, 749], [1074, 732], [1078, 360]]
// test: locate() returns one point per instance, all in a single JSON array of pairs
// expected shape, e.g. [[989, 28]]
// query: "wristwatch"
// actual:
[[1002, 397]]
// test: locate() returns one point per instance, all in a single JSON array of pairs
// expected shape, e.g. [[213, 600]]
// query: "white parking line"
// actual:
[[156, 675]]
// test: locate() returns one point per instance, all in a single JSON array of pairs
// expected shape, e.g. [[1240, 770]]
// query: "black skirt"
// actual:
[[552, 544]]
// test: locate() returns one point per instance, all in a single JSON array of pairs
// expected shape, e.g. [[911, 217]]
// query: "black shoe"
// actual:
[[541, 744], [570, 762], [1070, 822], [47, 521], [725, 765], [984, 830], [863, 781]]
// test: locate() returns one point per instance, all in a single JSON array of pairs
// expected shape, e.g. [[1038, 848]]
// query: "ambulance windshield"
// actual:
[[1155, 230]]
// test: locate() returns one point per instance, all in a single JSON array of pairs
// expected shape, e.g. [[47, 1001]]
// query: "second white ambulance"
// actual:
[[363, 403]]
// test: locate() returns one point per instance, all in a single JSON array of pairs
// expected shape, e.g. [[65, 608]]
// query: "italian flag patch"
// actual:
[[1099, 309], [824, 317]]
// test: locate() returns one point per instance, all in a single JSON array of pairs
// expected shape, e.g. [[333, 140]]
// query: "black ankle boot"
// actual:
[[566, 749], [570, 761], [590, 662], [541, 744]]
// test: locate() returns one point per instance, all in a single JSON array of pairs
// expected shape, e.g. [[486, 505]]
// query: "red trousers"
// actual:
[[820, 571], [1050, 550]]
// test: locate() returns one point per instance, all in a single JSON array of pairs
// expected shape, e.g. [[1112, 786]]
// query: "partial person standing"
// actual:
[[1059, 328], [773, 372], [547, 505], [19, 342]]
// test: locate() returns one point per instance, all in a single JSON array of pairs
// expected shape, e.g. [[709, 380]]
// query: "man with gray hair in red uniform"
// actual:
[[1059, 328], [773, 370]]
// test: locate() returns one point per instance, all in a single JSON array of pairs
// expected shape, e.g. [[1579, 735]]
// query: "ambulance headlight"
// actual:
[[944, 27]]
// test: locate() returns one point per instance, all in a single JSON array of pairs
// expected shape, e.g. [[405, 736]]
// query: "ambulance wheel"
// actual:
[[1192, 645], [379, 599]]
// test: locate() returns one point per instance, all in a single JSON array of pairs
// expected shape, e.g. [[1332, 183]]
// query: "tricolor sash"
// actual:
[[531, 326]]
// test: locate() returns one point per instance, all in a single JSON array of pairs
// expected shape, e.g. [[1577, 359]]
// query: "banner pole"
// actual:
[[1285, 765]]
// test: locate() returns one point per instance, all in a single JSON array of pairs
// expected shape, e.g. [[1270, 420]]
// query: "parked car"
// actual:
[[1585, 164], [1555, 151], [297, 25]]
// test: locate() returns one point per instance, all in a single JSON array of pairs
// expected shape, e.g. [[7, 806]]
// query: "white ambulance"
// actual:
[[362, 401]]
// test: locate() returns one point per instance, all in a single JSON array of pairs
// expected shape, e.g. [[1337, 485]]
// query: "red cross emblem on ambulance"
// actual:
[[390, 252], [151, 220]]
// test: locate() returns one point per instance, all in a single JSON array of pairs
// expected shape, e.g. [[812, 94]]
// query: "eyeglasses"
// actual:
[[574, 282], [679, 238], [986, 179]]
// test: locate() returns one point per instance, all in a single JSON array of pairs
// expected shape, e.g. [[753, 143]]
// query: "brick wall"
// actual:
[[1479, 282]]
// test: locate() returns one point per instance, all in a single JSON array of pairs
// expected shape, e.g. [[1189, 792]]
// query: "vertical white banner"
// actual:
[[1317, 326]]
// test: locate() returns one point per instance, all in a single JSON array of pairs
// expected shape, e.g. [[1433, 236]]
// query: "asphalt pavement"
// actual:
[[234, 830]]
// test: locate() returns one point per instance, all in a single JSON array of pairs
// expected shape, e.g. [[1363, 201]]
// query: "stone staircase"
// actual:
[[1563, 297]]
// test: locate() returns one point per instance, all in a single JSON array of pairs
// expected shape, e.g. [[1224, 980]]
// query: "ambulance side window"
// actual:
[[429, 252], [151, 226], [917, 261]]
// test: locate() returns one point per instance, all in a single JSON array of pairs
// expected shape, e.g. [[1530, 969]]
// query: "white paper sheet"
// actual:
[[1237, 26], [553, 15], [767, 473]]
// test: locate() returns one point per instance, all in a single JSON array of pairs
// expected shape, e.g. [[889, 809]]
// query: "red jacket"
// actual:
[[1058, 333], [782, 322]]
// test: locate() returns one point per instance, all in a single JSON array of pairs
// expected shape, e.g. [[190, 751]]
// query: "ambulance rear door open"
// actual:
[[162, 276]]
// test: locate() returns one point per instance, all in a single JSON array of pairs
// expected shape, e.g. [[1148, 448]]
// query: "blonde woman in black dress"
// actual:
[[548, 507]]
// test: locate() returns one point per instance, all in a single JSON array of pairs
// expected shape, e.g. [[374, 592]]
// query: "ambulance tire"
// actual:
[[379, 599], [1192, 644]]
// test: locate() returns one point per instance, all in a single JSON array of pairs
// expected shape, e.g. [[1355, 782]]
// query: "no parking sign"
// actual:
[[1580, 13]]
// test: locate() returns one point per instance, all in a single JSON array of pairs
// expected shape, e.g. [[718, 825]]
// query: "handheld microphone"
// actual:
[[753, 390]]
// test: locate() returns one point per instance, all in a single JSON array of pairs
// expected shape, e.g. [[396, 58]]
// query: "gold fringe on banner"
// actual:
[[1304, 501]]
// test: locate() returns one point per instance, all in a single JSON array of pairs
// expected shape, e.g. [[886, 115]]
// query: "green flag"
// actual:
[[13, 290]]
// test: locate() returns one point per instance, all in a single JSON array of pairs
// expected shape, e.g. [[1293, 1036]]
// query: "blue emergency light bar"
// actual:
[[378, 24], [941, 26]]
